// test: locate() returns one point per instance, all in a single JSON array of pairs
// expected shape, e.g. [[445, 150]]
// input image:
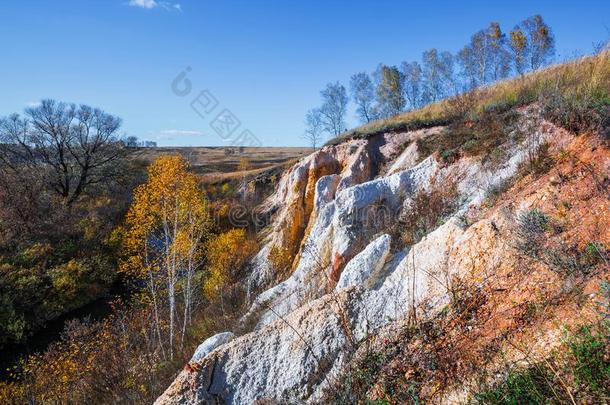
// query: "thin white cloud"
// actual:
[[150, 4], [143, 3], [180, 132], [33, 104]]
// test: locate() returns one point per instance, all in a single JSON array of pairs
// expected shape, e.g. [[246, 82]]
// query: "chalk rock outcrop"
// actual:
[[288, 360], [210, 344], [366, 263], [343, 286]]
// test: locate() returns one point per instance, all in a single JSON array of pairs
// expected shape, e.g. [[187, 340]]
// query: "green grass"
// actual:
[[581, 371], [591, 365], [527, 386]]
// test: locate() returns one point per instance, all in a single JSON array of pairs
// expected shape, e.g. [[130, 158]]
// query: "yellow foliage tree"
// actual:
[[227, 253], [165, 227]]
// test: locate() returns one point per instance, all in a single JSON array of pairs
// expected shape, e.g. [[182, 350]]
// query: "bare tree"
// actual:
[[438, 75], [541, 41], [480, 53], [334, 108], [485, 58], [412, 73], [314, 127], [466, 59], [363, 94], [390, 94], [72, 148]]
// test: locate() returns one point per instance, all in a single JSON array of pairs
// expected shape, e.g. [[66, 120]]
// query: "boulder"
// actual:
[[366, 263], [210, 344]]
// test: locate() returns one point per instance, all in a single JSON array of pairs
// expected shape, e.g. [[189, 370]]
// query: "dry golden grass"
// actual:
[[585, 75], [220, 163]]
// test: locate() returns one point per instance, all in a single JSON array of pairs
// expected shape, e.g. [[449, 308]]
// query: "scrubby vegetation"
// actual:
[[478, 137], [427, 210], [539, 238], [578, 372], [184, 276], [419, 363], [65, 182]]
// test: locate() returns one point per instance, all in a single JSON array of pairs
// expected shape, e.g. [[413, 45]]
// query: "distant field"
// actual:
[[216, 163]]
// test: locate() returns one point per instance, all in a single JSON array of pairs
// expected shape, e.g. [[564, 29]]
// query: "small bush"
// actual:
[[280, 259], [578, 114], [590, 359], [567, 259], [527, 386], [427, 210], [531, 226], [581, 372], [357, 382], [596, 252], [533, 240]]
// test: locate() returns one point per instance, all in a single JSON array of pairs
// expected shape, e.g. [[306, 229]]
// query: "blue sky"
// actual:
[[265, 61]]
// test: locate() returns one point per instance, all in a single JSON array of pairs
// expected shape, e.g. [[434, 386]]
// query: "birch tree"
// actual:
[[390, 94], [363, 94], [498, 54], [314, 127], [541, 41], [334, 108], [466, 59], [439, 80], [165, 227], [519, 49], [412, 73]]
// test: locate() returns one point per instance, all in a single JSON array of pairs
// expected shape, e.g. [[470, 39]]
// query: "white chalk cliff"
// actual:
[[334, 209]]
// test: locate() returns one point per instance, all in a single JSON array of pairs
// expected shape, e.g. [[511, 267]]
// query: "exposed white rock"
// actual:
[[357, 169], [325, 190], [337, 235], [406, 160], [366, 263], [210, 344], [306, 282], [356, 205], [289, 360], [304, 334]]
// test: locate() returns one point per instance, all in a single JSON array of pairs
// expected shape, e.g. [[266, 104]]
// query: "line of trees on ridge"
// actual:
[[491, 55]]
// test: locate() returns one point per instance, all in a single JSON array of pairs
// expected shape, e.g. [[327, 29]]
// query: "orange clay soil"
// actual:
[[517, 312]]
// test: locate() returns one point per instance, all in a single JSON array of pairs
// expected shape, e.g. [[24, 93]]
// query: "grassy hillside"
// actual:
[[581, 86]]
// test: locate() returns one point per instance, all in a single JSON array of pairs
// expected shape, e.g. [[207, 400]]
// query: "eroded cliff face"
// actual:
[[337, 211], [314, 181]]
